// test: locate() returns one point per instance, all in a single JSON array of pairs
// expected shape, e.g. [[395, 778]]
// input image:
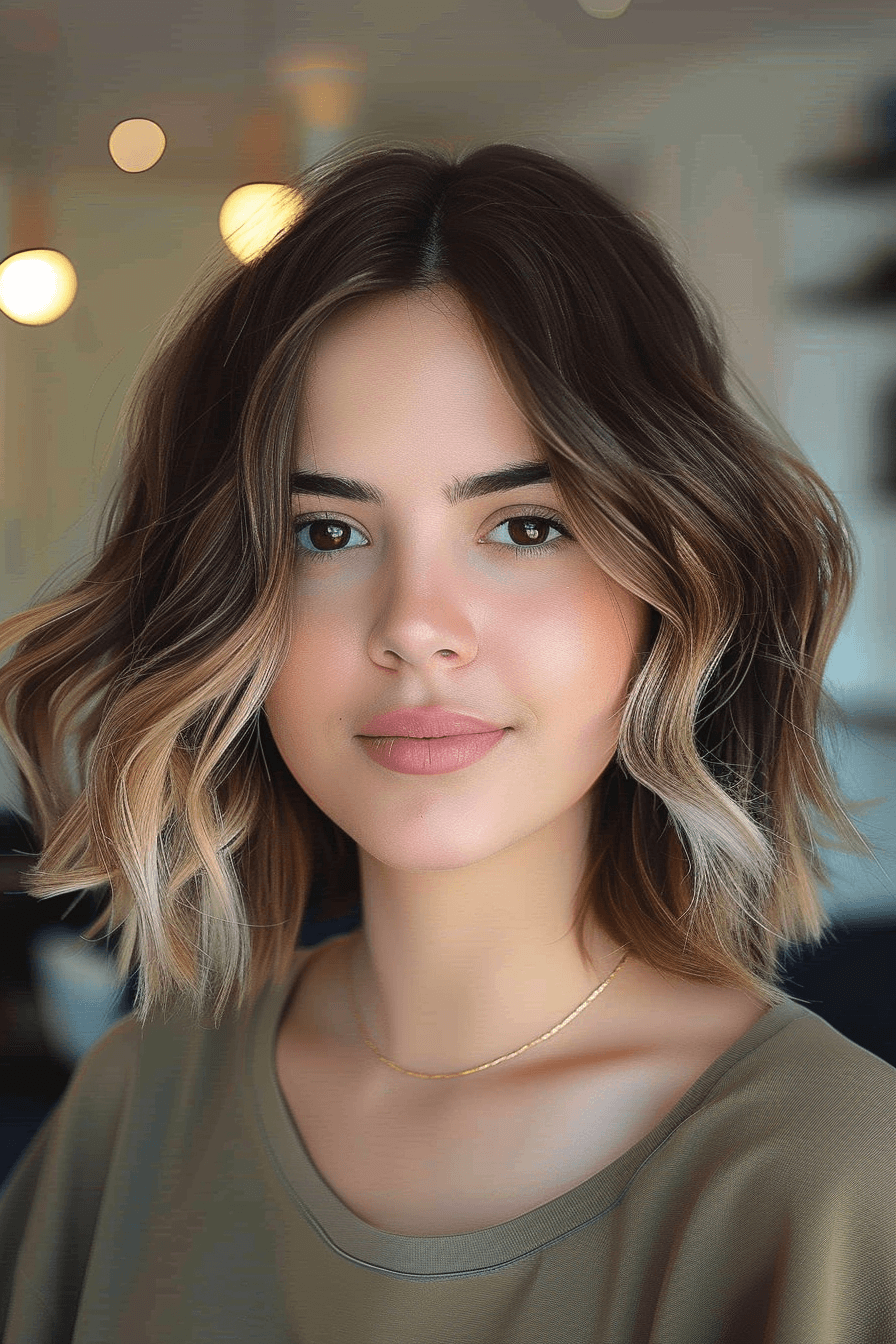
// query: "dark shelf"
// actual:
[[832, 301], [875, 168], [871, 289]]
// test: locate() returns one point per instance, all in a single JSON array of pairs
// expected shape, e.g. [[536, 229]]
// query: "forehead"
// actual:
[[396, 311], [408, 374]]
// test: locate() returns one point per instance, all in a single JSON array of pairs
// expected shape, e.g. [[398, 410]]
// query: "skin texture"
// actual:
[[468, 878]]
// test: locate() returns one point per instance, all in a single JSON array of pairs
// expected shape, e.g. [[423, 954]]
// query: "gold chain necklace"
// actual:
[[412, 1073]]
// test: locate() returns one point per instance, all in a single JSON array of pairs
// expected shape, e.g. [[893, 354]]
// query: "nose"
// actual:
[[420, 622]]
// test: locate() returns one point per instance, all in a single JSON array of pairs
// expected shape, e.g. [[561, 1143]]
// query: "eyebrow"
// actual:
[[489, 483]]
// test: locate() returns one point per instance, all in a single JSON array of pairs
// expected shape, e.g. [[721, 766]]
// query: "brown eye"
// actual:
[[525, 531], [325, 535]]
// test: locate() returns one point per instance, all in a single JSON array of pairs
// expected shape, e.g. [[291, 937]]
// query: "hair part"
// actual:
[[704, 848]]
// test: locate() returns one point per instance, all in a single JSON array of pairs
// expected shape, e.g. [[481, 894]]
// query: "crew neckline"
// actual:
[[464, 1252]]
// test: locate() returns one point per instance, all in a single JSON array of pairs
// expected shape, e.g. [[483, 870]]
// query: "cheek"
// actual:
[[594, 655], [313, 685], [579, 644]]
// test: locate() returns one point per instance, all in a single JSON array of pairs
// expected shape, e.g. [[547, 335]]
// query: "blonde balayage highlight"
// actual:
[[703, 849]]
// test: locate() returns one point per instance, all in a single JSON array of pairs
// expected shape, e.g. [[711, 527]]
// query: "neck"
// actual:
[[443, 983]]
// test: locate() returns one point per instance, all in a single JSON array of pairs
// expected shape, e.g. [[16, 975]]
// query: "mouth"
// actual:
[[442, 737], [406, 737], [440, 755]]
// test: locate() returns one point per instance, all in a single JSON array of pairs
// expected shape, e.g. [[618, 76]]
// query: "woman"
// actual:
[[548, 1086]]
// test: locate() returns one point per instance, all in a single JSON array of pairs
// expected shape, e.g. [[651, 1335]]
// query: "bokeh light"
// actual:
[[137, 144], [37, 286], [253, 216], [604, 9]]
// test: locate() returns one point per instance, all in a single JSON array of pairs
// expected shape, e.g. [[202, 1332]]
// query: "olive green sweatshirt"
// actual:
[[168, 1199]]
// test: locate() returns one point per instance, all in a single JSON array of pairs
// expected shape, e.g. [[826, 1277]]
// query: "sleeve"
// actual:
[[51, 1199]]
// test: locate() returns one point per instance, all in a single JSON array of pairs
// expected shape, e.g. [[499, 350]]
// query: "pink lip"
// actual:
[[431, 755], [425, 722]]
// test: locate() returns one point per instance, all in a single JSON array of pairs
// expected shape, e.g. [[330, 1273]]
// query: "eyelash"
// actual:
[[541, 548]]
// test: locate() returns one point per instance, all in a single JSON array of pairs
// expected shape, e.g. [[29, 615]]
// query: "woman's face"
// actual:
[[419, 601]]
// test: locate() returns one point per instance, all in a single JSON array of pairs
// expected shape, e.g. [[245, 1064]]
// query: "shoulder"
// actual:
[[110, 1062], [848, 1075], [821, 1102]]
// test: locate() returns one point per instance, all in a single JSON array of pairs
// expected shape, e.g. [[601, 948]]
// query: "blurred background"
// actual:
[[759, 139]]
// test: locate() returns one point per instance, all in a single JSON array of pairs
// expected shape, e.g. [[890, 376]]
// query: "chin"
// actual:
[[439, 853]]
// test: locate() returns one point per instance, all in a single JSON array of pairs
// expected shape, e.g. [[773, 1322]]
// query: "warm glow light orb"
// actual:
[[253, 216], [602, 9], [37, 286], [137, 144]]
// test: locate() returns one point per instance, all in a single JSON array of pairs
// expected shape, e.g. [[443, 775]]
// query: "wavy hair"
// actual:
[[704, 848]]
